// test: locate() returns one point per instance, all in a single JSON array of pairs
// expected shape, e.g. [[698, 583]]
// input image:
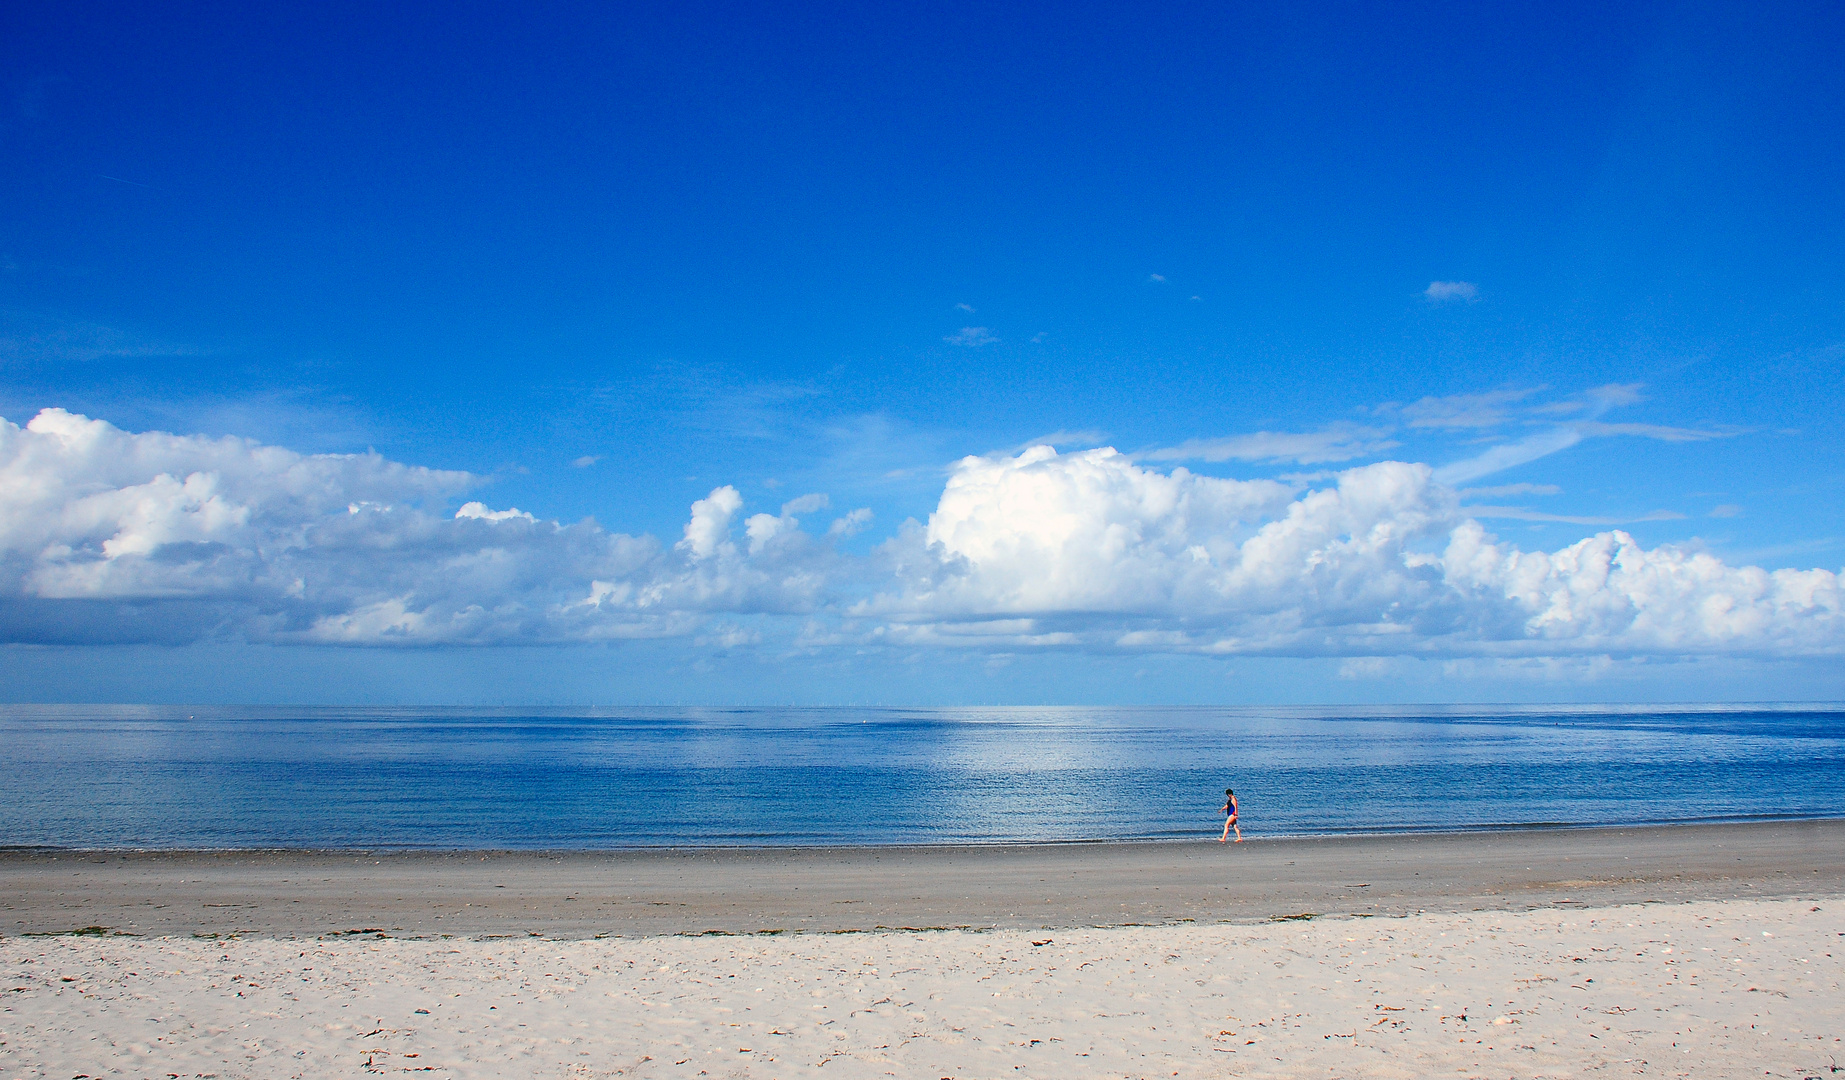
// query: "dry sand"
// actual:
[[1493, 981]]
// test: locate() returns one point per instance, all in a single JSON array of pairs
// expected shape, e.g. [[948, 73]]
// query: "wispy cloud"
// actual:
[[1519, 513], [1505, 490], [1336, 443], [1156, 278], [1509, 455], [969, 308], [1612, 395], [1500, 408], [971, 336], [586, 461], [1516, 423], [82, 342], [806, 504], [1652, 431], [1440, 291], [1492, 409]]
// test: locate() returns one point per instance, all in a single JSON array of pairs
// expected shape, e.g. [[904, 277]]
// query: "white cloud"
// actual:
[[1156, 278], [1114, 555], [969, 308], [1094, 534], [1337, 443], [851, 524], [1606, 594], [107, 535], [1439, 291], [586, 461], [806, 504], [971, 336], [478, 511], [710, 523]]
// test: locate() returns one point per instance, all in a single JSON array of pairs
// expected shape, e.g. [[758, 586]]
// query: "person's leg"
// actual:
[[1226, 835], [1239, 830]]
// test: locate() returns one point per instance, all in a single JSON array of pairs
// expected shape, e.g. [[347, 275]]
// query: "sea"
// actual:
[[159, 777]]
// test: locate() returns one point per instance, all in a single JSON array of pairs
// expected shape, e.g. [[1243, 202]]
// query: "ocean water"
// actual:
[[159, 777]]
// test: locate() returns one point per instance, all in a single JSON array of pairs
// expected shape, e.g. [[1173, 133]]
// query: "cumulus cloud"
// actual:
[[1383, 562], [107, 535], [476, 510], [1439, 291], [710, 523], [111, 535]]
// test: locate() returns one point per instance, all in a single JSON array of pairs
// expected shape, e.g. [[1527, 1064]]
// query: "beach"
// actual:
[[1675, 951]]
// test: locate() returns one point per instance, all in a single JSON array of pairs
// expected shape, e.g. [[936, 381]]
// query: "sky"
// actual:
[[942, 354]]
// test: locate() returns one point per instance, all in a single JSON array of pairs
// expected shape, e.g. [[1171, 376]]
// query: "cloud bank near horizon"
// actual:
[[112, 536]]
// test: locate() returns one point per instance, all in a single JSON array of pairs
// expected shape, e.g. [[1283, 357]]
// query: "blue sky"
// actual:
[[1582, 266]]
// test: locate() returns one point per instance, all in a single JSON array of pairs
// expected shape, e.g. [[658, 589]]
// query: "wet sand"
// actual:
[[644, 893]]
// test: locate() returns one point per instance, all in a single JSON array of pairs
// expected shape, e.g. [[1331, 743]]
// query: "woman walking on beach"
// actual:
[[1230, 817]]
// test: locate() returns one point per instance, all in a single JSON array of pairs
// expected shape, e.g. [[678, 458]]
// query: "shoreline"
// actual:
[[649, 892], [1486, 829]]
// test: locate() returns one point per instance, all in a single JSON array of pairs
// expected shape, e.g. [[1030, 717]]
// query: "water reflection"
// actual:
[[152, 777]]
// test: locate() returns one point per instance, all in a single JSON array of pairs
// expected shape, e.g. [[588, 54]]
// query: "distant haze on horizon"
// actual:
[[974, 354]]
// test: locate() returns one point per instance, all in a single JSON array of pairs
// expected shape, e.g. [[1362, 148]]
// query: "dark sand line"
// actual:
[[637, 893]]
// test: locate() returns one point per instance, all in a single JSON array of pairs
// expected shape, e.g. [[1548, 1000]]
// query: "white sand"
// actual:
[[1704, 989]]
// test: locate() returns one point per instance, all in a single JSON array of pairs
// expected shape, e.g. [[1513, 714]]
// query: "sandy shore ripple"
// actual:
[[1701, 989]]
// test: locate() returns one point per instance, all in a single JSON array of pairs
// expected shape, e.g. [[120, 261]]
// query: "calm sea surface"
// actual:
[[157, 777]]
